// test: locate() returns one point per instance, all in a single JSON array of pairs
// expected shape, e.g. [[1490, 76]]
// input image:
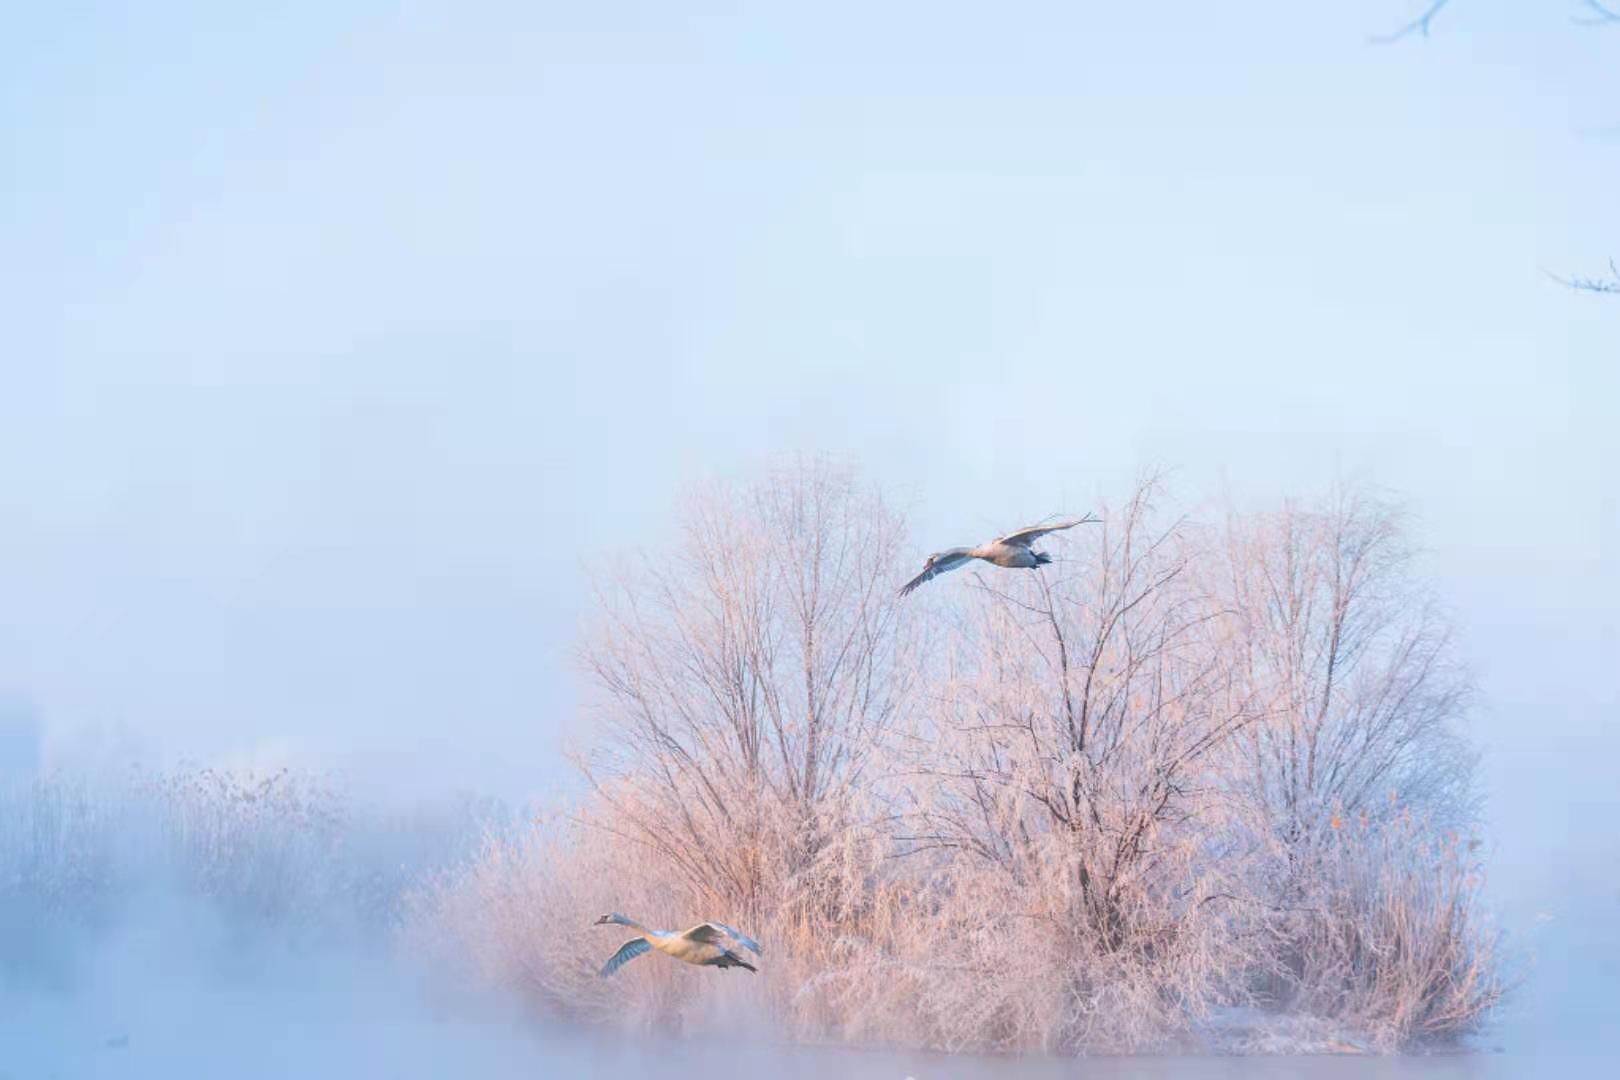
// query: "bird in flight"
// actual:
[[709, 944], [1012, 550]]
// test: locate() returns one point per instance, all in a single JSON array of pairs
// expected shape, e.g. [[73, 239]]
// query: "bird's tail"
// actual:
[[1042, 558]]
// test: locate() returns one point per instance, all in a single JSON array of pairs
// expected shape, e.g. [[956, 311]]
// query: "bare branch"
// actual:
[[1419, 25], [1599, 15], [1608, 286]]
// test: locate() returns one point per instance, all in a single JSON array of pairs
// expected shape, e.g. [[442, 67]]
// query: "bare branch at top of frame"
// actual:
[[1609, 286], [1600, 14], [1419, 25], [1596, 13]]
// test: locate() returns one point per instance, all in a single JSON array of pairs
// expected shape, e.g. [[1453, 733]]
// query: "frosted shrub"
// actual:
[[1073, 811], [1388, 937]]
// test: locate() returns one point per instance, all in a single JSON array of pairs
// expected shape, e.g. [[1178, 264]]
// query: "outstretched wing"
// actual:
[[627, 952], [933, 570], [1026, 537], [715, 932]]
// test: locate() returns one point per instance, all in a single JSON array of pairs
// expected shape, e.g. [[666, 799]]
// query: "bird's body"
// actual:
[[1012, 551], [708, 944], [1012, 556]]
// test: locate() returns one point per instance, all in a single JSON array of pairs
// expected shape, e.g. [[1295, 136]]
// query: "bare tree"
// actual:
[[1069, 762], [1359, 781], [1356, 664], [747, 677]]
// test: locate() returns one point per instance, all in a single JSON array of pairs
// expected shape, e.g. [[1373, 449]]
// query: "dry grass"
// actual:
[[1389, 936], [56, 846]]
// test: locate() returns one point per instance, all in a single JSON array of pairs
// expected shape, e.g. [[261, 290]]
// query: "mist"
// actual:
[[346, 351]]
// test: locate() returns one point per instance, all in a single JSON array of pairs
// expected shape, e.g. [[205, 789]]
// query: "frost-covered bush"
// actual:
[[1182, 770]]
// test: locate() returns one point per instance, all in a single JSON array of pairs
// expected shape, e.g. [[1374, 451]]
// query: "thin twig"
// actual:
[[1601, 15], [1607, 286], [1419, 25]]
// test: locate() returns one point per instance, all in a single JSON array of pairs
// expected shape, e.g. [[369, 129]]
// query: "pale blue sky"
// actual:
[[335, 340]]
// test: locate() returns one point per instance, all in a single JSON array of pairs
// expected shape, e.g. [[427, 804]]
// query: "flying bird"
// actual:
[[1012, 550], [709, 944]]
